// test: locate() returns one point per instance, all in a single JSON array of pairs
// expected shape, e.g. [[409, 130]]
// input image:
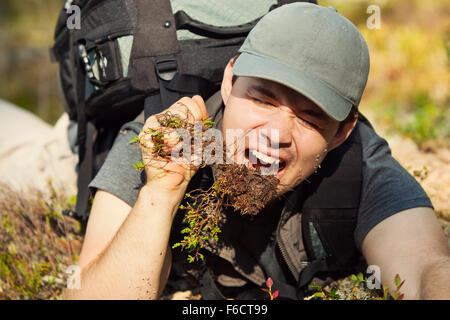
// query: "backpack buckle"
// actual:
[[108, 61], [166, 69]]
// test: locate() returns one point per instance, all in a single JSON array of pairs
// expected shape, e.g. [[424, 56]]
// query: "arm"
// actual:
[[412, 244], [125, 254], [436, 280], [135, 263]]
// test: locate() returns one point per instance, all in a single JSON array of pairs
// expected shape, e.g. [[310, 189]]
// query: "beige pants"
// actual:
[[32, 151]]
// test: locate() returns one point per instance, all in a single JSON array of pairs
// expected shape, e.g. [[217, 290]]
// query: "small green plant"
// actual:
[[421, 174], [202, 218], [139, 166], [269, 284], [396, 295], [358, 279], [207, 123], [172, 122], [322, 293]]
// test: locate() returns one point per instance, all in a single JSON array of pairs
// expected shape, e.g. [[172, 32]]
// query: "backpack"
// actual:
[[126, 58]]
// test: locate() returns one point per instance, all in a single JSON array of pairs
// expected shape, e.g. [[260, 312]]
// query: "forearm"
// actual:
[[131, 265], [435, 283]]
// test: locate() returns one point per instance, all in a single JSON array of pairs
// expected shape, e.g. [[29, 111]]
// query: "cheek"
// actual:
[[310, 145], [310, 150], [231, 120], [239, 114], [232, 111]]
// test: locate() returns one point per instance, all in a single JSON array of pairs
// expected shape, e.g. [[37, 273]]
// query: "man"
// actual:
[[300, 72]]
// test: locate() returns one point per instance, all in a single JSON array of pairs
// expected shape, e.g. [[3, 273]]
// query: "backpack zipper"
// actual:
[[282, 248]]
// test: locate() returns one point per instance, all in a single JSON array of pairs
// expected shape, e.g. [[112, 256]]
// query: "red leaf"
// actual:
[[269, 282], [275, 294], [400, 297]]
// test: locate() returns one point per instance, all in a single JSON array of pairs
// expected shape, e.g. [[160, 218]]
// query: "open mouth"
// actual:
[[264, 162]]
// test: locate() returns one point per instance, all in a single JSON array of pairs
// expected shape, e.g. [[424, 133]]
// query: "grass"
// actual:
[[37, 244]]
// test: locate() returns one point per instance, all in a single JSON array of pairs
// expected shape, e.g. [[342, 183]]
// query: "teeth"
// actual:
[[264, 158]]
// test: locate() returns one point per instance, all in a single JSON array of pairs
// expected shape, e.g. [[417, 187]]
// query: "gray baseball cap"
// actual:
[[311, 49]]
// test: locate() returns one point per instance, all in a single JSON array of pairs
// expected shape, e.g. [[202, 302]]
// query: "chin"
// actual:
[[287, 183]]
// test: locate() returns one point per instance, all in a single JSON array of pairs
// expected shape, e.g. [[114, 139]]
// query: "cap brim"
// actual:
[[330, 101]]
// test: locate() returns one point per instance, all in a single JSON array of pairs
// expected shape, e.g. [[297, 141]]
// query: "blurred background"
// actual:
[[408, 82]]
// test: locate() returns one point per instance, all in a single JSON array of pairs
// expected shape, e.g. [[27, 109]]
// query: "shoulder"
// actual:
[[118, 175], [387, 188], [371, 142]]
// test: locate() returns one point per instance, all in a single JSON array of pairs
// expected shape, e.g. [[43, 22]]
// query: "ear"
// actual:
[[343, 133], [227, 81]]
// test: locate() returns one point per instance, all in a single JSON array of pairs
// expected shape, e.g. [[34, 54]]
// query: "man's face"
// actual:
[[262, 108]]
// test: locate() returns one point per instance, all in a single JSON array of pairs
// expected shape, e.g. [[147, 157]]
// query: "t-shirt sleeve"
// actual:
[[387, 187], [117, 174]]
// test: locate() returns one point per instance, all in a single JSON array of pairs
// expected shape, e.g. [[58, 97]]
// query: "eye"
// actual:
[[261, 102], [308, 123]]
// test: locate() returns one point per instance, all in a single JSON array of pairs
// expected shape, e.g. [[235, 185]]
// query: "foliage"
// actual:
[[29, 78], [323, 293], [407, 90], [37, 243], [269, 284], [422, 122], [358, 279], [358, 290], [396, 295], [202, 216]]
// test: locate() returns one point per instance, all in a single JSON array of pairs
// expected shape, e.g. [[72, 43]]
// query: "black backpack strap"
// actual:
[[331, 207], [154, 39], [155, 48], [85, 139], [208, 287], [175, 88]]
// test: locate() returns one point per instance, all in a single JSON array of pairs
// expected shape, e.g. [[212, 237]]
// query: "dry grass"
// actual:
[[37, 244]]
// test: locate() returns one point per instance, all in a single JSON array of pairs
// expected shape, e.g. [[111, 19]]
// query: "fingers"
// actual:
[[201, 104], [151, 122], [194, 108], [155, 133]]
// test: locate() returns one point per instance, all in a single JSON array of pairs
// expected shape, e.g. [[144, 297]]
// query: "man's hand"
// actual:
[[163, 173], [126, 254]]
